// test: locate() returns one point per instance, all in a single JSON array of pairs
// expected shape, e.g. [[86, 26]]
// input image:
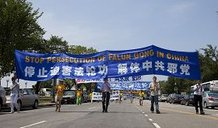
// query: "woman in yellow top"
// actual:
[[78, 97], [59, 94], [141, 96]]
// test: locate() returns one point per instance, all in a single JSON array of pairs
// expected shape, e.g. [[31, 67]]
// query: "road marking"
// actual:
[[150, 119], [143, 112], [27, 126], [146, 115], [156, 125]]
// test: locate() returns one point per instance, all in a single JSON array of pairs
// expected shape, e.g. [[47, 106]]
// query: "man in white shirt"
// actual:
[[198, 92], [14, 94], [154, 88], [105, 95]]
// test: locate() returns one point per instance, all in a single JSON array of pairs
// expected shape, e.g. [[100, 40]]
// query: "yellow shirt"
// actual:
[[60, 90], [79, 93], [141, 94]]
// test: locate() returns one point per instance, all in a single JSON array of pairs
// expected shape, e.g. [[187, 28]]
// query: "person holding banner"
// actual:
[[79, 97], [198, 92], [154, 88], [14, 94], [106, 89], [59, 94], [141, 96]]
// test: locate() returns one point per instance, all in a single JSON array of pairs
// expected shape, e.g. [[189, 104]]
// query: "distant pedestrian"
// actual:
[[120, 97], [198, 92], [79, 97], [59, 94], [141, 96], [154, 88], [106, 89], [131, 96], [14, 94]]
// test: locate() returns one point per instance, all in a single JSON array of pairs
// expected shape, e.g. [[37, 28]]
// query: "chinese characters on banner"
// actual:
[[112, 64]]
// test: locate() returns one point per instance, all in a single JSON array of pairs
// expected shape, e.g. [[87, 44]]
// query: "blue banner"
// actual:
[[112, 64], [137, 85]]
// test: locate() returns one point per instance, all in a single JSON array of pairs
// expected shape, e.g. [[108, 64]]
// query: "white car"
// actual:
[[210, 99], [2, 97], [27, 97]]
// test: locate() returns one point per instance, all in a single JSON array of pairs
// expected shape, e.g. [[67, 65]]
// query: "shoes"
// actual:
[[197, 112], [158, 112], [12, 112], [202, 113]]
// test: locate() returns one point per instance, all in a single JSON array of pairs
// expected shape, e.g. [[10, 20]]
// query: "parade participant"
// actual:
[[198, 91], [120, 97], [59, 94], [131, 96], [105, 95], [14, 94], [79, 97], [141, 96], [154, 88]]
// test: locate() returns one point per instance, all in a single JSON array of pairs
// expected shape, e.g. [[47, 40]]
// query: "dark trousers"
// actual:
[[198, 101], [154, 99], [105, 99]]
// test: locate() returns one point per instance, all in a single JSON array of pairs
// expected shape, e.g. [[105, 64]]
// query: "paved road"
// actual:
[[124, 115]]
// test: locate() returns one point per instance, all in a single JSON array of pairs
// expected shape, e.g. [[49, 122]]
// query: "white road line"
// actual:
[[146, 115], [27, 126], [156, 125], [150, 119], [143, 112]]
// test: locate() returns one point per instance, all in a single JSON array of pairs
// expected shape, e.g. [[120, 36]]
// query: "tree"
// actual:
[[78, 49], [55, 45], [18, 30], [209, 63]]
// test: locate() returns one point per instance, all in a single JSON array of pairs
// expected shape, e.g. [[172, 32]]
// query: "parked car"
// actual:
[[174, 98], [45, 92], [26, 98], [163, 97], [210, 99], [188, 99], [2, 97], [69, 97]]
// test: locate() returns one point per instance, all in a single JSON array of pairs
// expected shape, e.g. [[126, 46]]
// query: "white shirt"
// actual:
[[154, 89], [198, 90], [15, 88]]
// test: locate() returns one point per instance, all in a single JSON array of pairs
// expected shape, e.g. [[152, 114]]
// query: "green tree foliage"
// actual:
[[55, 45], [78, 49], [18, 30], [209, 63]]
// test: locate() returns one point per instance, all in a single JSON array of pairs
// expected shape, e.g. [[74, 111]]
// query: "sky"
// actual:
[[180, 25]]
